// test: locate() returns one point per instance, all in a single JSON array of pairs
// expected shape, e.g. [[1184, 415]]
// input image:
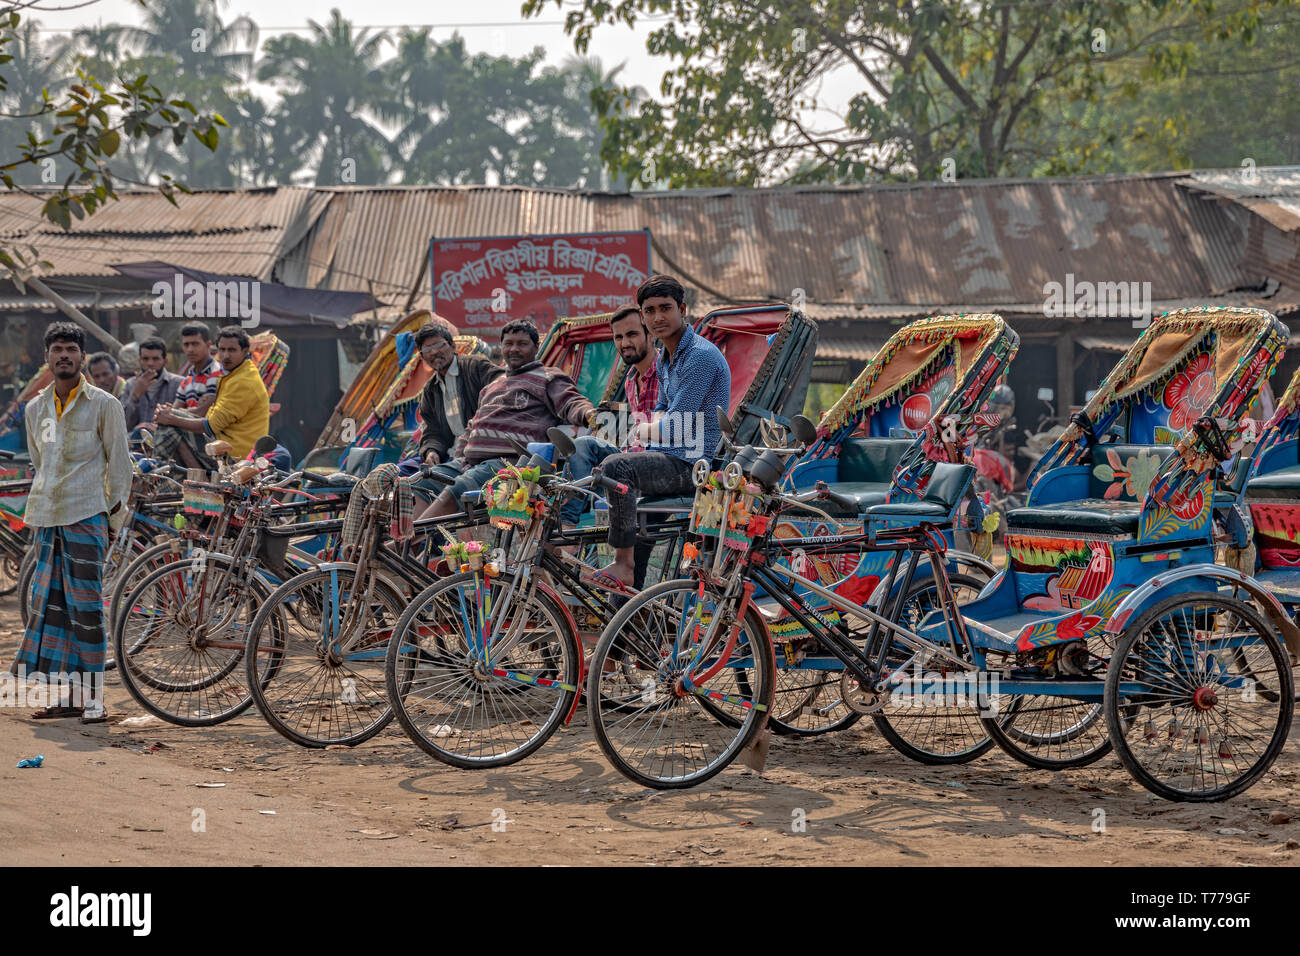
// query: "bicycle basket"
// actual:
[[512, 496], [202, 498], [739, 526]]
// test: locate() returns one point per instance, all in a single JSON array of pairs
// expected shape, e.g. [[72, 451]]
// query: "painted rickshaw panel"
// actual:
[[929, 370], [1065, 580]]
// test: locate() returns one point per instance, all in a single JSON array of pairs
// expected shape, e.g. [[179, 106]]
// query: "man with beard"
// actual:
[[520, 406], [239, 416], [76, 436], [154, 386], [451, 396], [632, 339], [694, 381]]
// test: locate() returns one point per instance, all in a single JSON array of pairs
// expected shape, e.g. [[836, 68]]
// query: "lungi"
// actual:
[[167, 438], [65, 629]]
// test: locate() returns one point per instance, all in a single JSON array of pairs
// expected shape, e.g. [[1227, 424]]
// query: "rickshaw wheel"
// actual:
[[1217, 698], [942, 734], [1056, 733]]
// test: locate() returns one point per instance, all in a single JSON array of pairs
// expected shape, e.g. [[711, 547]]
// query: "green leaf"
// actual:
[[109, 140]]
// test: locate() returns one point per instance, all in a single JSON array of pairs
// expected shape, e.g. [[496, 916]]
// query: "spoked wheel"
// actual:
[[807, 702], [1199, 697], [668, 737], [138, 568], [315, 656], [181, 643], [1058, 733], [938, 727], [480, 673], [11, 565], [119, 558]]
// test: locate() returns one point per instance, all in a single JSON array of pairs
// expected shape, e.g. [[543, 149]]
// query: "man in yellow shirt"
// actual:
[[240, 415]]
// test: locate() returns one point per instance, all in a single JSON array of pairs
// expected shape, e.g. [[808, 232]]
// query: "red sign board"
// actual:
[[481, 284]]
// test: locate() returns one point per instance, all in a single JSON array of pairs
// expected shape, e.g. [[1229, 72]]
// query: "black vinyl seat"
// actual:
[[1091, 515], [1278, 484]]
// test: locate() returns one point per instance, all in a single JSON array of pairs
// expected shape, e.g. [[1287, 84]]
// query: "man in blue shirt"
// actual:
[[694, 381]]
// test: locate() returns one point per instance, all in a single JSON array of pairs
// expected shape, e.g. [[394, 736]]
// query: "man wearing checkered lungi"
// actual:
[[76, 435]]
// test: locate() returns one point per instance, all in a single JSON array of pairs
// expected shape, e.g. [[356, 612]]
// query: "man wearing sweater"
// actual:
[[520, 405]]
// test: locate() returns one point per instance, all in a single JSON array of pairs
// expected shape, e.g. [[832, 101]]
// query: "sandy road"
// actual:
[[107, 796]]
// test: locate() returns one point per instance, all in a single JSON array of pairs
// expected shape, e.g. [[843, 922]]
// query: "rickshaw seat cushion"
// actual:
[[1093, 515], [1278, 484], [909, 509], [870, 460], [361, 461], [866, 493]]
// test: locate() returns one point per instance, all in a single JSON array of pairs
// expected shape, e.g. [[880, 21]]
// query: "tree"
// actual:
[[478, 118], [80, 130], [333, 88], [34, 66], [946, 86], [594, 85]]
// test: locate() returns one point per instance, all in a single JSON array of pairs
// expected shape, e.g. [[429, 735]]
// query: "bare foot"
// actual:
[[626, 574]]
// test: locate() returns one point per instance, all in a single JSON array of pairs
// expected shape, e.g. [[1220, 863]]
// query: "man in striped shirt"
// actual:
[[520, 405], [202, 371]]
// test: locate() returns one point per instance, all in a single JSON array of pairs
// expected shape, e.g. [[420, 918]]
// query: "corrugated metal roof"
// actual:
[[1271, 192], [35, 303], [878, 252]]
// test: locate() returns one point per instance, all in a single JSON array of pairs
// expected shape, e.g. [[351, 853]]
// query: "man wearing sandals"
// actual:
[[76, 436], [694, 380]]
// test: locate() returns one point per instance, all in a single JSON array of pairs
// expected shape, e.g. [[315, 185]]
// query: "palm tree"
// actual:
[[333, 88], [97, 50], [193, 33], [598, 88]]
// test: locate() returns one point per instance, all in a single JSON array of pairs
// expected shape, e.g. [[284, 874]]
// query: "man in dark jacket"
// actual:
[[451, 396]]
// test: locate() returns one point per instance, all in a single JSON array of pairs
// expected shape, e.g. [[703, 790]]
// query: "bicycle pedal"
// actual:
[[755, 755]]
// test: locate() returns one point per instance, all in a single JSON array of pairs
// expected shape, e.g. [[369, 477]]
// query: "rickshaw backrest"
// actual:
[[871, 459], [1124, 472]]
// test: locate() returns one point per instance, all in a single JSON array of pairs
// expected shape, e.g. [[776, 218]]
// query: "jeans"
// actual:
[[589, 451], [646, 473], [468, 479]]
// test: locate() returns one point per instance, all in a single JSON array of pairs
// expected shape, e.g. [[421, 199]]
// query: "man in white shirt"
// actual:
[[76, 436]]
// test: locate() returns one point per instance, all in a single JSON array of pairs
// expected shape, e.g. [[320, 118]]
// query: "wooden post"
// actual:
[[114, 346], [1064, 373]]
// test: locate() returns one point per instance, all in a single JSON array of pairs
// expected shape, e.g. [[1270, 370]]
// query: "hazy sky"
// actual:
[[491, 26]]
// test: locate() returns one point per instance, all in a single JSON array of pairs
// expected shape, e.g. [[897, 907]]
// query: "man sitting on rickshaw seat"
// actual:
[[451, 397], [636, 348], [240, 415], [520, 405], [694, 381]]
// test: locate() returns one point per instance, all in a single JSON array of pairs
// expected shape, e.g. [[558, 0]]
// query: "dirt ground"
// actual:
[[107, 795]]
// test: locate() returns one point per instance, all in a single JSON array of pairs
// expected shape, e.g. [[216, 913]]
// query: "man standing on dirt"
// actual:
[[76, 436]]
